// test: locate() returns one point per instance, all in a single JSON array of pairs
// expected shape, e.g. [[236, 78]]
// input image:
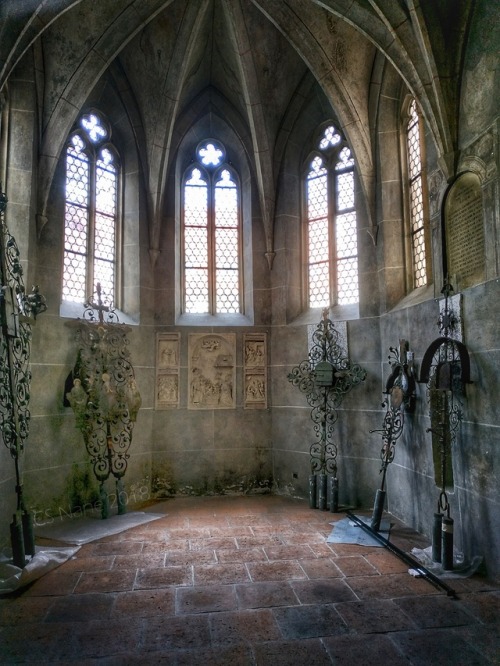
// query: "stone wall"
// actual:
[[234, 449]]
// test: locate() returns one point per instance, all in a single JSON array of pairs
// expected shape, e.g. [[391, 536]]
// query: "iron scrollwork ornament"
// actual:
[[325, 378], [400, 392], [17, 313], [104, 395]]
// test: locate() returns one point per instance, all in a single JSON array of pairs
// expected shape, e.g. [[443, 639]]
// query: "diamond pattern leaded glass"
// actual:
[[318, 241], [317, 193], [211, 239], [105, 223], [416, 198], [196, 244], [226, 292], [347, 281], [226, 245], [196, 290], [76, 222], [331, 227], [345, 159], [345, 190], [346, 235], [90, 213], [319, 285], [195, 247]]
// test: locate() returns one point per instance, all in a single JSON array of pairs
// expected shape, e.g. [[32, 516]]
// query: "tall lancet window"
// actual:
[[211, 234], [416, 196], [91, 211], [331, 225]]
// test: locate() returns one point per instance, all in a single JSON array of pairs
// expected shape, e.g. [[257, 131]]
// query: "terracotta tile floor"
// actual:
[[246, 580]]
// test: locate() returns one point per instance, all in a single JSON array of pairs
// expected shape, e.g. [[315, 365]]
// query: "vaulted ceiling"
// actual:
[[256, 54]]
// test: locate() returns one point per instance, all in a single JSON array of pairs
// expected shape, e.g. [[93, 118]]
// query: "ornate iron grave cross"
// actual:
[[400, 392], [325, 378], [104, 395], [18, 311]]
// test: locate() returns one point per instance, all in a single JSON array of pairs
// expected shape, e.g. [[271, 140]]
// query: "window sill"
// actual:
[[336, 313], [418, 295], [71, 310], [213, 320]]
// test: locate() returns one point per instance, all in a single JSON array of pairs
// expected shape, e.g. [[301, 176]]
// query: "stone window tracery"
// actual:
[[331, 223], [211, 234], [91, 211]]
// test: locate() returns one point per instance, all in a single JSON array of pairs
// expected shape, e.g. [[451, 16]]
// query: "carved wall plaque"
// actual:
[[255, 370], [212, 371], [167, 370], [465, 232]]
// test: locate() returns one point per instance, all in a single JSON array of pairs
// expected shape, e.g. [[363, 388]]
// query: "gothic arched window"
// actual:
[[331, 225], [417, 211], [211, 234], [91, 211]]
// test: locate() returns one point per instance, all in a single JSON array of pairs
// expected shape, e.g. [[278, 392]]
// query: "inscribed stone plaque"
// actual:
[[212, 371], [167, 370], [465, 232]]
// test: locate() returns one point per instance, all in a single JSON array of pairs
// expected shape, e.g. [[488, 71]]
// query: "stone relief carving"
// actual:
[[212, 371], [167, 370], [255, 370]]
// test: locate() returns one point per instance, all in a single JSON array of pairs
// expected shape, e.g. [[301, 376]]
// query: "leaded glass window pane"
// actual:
[[346, 233], [347, 281], [195, 247], [104, 272], [94, 127], [418, 247], [413, 137], [90, 213], [210, 154], [331, 225], [318, 241], [76, 222], [226, 248], [196, 244], [345, 190], [74, 285], [211, 237], [317, 197], [196, 290], [104, 238], [319, 285], [330, 138], [106, 185], [227, 291], [345, 159], [75, 232]]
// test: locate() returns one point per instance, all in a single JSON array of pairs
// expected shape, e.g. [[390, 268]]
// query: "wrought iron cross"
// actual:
[[325, 378], [100, 306], [400, 392], [17, 312]]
